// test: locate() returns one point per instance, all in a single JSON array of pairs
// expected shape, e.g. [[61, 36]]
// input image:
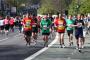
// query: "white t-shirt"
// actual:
[[1, 22]]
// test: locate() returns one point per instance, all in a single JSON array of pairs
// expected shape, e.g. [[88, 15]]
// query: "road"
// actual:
[[13, 46], [68, 53]]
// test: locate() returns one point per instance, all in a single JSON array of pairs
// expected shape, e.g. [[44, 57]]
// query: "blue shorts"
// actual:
[[79, 34]]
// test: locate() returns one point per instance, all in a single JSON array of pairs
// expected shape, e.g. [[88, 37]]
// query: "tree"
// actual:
[[53, 6], [46, 7], [83, 8]]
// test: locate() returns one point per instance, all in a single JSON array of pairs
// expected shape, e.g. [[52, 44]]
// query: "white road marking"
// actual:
[[8, 38], [42, 50], [4, 39]]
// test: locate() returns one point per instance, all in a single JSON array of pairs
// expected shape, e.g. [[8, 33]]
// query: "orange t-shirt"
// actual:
[[27, 23], [60, 25]]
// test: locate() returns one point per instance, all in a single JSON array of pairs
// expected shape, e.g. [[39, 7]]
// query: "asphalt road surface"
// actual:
[[13, 46], [67, 53]]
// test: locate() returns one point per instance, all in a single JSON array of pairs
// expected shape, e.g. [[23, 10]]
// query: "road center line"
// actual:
[[42, 50]]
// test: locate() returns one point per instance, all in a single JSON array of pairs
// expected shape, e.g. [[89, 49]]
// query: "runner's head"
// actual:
[[61, 16], [70, 17], [82, 16], [49, 15], [34, 16], [78, 17], [28, 15], [7, 17], [45, 17]]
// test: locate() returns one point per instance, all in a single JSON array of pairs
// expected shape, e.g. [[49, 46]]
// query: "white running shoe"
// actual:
[[82, 46], [63, 46], [77, 48]]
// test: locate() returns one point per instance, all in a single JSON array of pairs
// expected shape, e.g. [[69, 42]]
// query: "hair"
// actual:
[[82, 14]]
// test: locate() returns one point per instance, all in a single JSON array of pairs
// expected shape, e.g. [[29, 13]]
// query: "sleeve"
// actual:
[[75, 22], [23, 22], [55, 23], [65, 22], [82, 22], [32, 22], [50, 22], [41, 25]]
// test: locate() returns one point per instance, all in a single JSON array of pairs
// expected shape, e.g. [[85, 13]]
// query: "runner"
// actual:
[[89, 24], [27, 24], [20, 24], [52, 25], [69, 22], [35, 29], [11, 22], [45, 27], [16, 21], [39, 20], [1, 25], [6, 24], [84, 28], [79, 32], [61, 24]]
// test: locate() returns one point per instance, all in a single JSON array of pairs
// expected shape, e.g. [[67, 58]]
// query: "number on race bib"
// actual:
[[27, 24], [33, 25], [45, 27]]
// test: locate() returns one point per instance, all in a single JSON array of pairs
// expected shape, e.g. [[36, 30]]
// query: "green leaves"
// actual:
[[84, 6], [52, 6], [46, 7]]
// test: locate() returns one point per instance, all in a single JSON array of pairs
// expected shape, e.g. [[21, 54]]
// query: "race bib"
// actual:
[[45, 27], [33, 25], [80, 25], [27, 25], [60, 27]]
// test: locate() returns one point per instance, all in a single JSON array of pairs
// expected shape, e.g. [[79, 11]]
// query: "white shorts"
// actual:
[[84, 33]]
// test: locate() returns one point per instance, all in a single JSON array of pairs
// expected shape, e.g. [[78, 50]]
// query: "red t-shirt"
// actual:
[[60, 25], [11, 21], [27, 23]]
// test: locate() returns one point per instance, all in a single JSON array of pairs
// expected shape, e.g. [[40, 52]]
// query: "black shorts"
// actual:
[[16, 23], [69, 32], [35, 30], [11, 26], [61, 32], [79, 34], [7, 27], [45, 33], [28, 33]]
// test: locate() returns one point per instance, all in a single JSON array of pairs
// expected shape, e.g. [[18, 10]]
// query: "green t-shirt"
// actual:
[[45, 26], [69, 22]]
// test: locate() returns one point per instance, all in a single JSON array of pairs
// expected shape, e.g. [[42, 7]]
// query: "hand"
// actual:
[[34, 23], [70, 25]]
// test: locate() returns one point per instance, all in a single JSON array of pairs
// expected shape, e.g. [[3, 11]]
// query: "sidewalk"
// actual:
[[68, 53]]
